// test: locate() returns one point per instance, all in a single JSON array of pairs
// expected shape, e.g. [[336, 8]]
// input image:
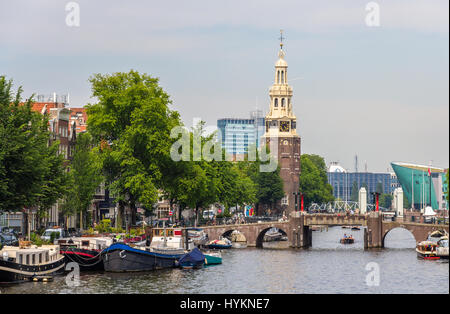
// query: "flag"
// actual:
[[429, 172]]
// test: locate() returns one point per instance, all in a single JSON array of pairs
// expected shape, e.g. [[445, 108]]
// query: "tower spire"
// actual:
[[281, 38]]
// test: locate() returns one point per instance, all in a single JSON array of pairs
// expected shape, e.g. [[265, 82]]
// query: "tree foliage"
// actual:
[[31, 171], [133, 120], [313, 180], [85, 176]]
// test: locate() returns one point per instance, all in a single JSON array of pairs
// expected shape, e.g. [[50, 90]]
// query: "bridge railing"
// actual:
[[231, 221]]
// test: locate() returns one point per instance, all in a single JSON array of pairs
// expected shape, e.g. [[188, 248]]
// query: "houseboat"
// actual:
[[86, 251], [427, 250], [30, 262], [162, 249]]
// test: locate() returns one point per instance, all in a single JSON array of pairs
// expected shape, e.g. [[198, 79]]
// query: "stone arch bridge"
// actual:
[[299, 233]]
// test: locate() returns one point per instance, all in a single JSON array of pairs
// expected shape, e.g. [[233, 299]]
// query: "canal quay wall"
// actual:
[[298, 228]]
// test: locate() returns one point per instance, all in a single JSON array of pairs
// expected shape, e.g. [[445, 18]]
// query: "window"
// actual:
[[276, 102], [284, 200], [282, 102], [282, 77]]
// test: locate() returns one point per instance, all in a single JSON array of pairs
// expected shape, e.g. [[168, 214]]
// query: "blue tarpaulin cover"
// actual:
[[195, 256]]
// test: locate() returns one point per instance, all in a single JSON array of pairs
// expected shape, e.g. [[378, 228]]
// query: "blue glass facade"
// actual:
[[239, 134], [342, 182]]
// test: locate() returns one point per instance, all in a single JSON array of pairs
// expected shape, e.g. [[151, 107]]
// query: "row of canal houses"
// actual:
[[64, 124]]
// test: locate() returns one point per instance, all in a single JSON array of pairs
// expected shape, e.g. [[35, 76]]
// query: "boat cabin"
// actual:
[[32, 255], [170, 238], [89, 243]]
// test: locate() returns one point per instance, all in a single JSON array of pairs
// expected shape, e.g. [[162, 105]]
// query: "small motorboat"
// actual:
[[437, 234], [356, 228], [347, 240], [427, 250], [212, 258], [221, 244], [346, 227], [442, 248], [193, 259], [30, 263], [273, 234]]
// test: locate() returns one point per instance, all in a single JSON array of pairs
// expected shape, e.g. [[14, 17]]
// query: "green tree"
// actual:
[[85, 175], [313, 180], [134, 120], [270, 187], [406, 203], [386, 200], [31, 171]]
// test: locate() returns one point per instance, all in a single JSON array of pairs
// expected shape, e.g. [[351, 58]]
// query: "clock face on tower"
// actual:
[[284, 126]]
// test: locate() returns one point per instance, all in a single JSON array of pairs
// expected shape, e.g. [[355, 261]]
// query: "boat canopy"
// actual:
[[193, 256]]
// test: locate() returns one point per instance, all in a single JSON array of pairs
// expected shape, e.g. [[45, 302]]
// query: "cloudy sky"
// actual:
[[378, 92]]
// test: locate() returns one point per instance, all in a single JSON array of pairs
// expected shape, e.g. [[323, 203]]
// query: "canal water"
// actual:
[[326, 267]]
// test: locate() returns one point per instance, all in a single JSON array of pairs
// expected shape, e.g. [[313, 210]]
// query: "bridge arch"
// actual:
[[261, 234], [419, 231], [228, 234], [387, 231]]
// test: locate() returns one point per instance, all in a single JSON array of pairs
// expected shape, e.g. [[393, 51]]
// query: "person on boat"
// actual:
[[345, 236]]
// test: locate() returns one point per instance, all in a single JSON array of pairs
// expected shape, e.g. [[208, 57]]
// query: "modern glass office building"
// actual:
[[418, 186], [238, 134], [342, 182]]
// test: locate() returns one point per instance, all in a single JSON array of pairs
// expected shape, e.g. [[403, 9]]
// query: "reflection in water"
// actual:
[[326, 267]]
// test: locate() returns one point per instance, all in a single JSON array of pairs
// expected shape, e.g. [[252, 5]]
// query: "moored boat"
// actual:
[[427, 250], [273, 234], [212, 258], [162, 249], [197, 235], [356, 228], [221, 244], [86, 251], [120, 257], [192, 259], [18, 264], [442, 248]]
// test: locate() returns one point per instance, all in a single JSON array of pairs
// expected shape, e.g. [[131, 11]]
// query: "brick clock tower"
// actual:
[[281, 128]]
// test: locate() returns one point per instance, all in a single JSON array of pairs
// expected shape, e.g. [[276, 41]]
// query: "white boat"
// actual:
[[168, 241], [442, 248], [272, 235], [30, 262]]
